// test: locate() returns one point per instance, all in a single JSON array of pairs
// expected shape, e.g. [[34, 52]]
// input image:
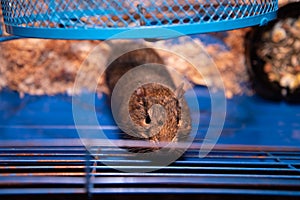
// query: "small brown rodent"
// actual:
[[159, 112]]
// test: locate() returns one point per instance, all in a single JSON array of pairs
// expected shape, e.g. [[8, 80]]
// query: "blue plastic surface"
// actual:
[[249, 120], [100, 19]]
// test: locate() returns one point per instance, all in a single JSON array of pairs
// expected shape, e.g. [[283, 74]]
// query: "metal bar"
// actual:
[[66, 142], [41, 180], [202, 191], [190, 181], [22, 191], [157, 182], [147, 175]]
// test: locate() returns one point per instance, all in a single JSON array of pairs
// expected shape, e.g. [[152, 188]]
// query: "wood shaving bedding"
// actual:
[[49, 67]]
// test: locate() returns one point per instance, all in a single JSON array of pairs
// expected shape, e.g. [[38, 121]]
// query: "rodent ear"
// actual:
[[140, 92], [179, 92]]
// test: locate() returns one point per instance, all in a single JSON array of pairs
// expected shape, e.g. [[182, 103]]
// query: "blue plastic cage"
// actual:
[[100, 19], [258, 156]]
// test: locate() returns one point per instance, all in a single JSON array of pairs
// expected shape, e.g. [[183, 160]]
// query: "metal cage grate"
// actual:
[[46, 169], [100, 19]]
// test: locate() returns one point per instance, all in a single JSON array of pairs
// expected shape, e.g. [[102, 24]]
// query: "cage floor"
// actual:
[[43, 171], [258, 154]]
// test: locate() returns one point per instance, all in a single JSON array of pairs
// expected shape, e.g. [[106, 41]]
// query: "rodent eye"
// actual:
[[148, 119]]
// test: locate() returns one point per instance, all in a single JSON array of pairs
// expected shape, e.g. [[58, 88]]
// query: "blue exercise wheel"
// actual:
[[100, 19]]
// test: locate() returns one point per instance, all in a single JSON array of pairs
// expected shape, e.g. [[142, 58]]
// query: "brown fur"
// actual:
[[161, 126]]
